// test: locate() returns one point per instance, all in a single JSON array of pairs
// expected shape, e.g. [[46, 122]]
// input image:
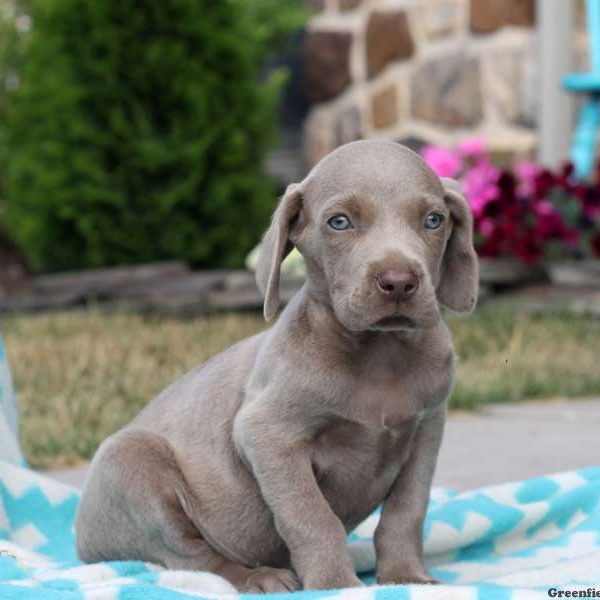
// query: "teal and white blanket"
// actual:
[[528, 539], [9, 445]]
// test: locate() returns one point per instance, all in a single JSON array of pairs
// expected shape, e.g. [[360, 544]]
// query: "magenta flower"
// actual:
[[550, 222], [443, 162], [526, 212], [527, 173], [472, 148], [487, 227], [545, 208], [480, 186]]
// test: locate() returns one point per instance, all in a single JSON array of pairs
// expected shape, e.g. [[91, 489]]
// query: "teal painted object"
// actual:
[[585, 137]]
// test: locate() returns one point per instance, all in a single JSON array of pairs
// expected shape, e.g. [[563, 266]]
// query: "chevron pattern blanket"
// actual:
[[517, 540]]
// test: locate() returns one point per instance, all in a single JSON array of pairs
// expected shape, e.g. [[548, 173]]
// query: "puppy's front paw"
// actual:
[[331, 581], [269, 579]]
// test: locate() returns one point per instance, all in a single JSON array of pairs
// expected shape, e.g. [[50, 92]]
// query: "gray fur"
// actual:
[[256, 464]]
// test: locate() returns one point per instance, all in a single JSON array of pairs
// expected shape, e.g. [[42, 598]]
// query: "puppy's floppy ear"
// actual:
[[459, 272], [275, 247]]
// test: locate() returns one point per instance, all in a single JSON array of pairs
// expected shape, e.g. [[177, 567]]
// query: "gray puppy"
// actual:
[[256, 464]]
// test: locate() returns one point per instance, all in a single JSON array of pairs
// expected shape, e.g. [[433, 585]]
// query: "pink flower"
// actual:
[[487, 227], [545, 208], [527, 173], [528, 211], [443, 162], [549, 223], [480, 202], [527, 170], [480, 186], [472, 148]]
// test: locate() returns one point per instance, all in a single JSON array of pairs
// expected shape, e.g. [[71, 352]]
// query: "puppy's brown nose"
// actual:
[[397, 285]]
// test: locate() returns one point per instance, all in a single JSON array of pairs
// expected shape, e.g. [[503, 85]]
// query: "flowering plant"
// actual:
[[528, 212]]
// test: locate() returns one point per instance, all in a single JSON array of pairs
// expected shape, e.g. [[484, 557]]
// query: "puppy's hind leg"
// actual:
[[134, 508]]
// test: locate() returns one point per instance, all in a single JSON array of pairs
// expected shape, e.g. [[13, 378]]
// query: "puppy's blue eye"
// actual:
[[339, 222], [434, 220]]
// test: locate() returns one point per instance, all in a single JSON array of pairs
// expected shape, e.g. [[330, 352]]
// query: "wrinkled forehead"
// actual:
[[381, 171]]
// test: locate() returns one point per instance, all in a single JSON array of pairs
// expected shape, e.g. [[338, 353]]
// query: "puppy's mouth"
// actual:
[[393, 323]]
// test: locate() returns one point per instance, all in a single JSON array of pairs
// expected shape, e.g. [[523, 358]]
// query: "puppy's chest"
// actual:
[[356, 465], [393, 395]]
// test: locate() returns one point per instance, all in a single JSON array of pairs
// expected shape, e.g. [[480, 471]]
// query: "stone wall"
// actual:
[[421, 71]]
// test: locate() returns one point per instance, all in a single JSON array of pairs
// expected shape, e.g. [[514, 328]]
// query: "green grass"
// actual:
[[506, 355], [80, 376]]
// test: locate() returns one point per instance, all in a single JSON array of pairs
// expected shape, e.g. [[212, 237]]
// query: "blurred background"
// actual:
[[143, 147]]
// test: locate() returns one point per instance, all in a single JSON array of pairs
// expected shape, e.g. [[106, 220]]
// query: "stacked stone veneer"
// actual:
[[423, 71]]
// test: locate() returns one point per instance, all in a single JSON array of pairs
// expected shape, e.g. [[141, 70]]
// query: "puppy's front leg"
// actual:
[[277, 449], [399, 535]]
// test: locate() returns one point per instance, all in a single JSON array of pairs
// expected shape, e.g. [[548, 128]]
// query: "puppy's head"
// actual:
[[385, 240]]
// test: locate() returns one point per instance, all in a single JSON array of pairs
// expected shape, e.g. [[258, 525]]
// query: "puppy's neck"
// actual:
[[315, 309]]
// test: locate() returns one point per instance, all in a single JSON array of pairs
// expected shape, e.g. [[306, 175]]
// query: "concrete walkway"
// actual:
[[502, 443], [516, 441]]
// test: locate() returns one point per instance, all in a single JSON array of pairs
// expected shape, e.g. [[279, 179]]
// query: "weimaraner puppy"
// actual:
[[257, 464]]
